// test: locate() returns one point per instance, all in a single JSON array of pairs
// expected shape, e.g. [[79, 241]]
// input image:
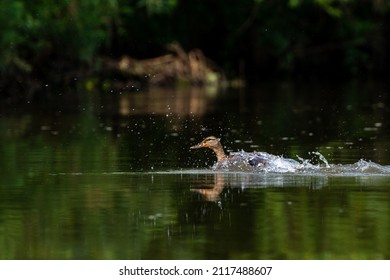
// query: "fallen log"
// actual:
[[177, 67]]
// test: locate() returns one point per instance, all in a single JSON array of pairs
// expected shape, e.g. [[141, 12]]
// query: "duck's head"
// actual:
[[209, 142], [213, 143]]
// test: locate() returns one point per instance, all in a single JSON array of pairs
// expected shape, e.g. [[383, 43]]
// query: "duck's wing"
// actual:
[[258, 159]]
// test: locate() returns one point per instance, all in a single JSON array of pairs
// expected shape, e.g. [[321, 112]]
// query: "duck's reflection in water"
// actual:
[[210, 186], [211, 190]]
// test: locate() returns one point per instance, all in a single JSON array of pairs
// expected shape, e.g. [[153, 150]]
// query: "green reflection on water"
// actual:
[[167, 216], [84, 184]]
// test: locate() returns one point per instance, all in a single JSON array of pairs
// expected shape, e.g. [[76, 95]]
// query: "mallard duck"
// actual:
[[239, 160]]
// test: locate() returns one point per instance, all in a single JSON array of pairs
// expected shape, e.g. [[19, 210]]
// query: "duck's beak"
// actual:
[[197, 146]]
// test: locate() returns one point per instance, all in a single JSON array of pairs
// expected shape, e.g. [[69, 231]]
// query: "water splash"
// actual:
[[261, 162], [321, 158], [366, 167]]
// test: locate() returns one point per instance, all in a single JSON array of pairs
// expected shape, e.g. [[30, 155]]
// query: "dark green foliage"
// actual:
[[342, 38], [34, 33]]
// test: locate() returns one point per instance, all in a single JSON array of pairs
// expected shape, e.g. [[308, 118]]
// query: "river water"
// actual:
[[108, 174]]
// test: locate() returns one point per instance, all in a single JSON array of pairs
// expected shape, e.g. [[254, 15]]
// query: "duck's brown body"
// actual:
[[224, 160], [243, 161]]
